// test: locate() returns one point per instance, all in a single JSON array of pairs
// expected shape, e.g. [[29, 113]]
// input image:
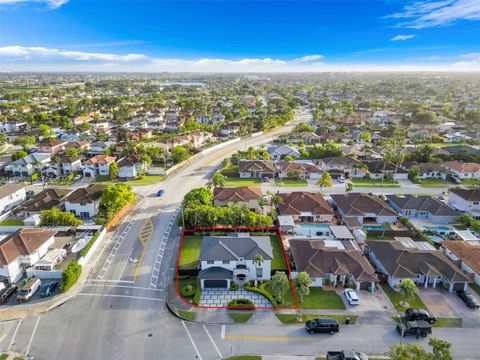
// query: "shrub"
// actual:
[[242, 304], [187, 291], [183, 277], [89, 245], [234, 286], [70, 275], [198, 292], [261, 290]]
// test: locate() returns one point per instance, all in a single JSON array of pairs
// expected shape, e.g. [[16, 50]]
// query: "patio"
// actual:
[[221, 297]]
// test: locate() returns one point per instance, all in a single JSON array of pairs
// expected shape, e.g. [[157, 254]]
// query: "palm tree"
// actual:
[[302, 284], [280, 285], [408, 289], [218, 179]]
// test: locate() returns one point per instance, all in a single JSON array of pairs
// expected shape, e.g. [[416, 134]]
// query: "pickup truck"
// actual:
[[419, 327], [6, 292], [346, 355]]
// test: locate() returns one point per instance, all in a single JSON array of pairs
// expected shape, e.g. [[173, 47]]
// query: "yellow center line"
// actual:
[[267, 338]]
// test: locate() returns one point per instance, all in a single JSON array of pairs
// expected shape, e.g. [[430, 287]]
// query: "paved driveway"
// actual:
[[221, 297]]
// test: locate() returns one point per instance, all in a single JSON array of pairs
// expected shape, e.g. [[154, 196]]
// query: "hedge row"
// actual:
[[261, 290], [70, 275], [246, 304], [196, 297], [90, 244]]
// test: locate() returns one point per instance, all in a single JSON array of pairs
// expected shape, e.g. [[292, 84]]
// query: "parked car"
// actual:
[[351, 296], [419, 314], [329, 326], [7, 292], [456, 180], [346, 355], [48, 289], [419, 328], [341, 179], [468, 299], [160, 193], [27, 290]]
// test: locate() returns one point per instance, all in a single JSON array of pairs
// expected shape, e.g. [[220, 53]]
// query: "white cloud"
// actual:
[[24, 58], [402, 37], [421, 14], [52, 4]]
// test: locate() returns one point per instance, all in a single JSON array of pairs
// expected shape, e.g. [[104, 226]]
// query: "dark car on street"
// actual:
[[468, 299], [328, 326], [48, 289], [418, 328], [7, 292], [160, 192], [420, 314]]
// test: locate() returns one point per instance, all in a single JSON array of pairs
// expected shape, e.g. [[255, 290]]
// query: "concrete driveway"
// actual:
[[376, 301]]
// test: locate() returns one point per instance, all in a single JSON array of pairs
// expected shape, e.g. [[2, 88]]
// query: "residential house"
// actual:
[[11, 195], [229, 129], [99, 165], [84, 202], [81, 146], [463, 170], [309, 138], [28, 165], [62, 165], [98, 147], [130, 167], [306, 207], [307, 169], [406, 259], [224, 259], [465, 254], [256, 169], [45, 200], [359, 208], [428, 170], [332, 262], [13, 126], [280, 152], [100, 124], [81, 119], [346, 165], [381, 170], [244, 195], [21, 250], [52, 146], [423, 207], [465, 200]]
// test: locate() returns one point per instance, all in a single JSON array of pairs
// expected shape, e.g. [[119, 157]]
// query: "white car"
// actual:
[[341, 179], [351, 297]]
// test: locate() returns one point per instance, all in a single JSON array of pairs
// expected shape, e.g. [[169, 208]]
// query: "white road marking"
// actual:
[[125, 286], [112, 281], [27, 352], [222, 333], [191, 340], [12, 341], [213, 342], [126, 262], [121, 296]]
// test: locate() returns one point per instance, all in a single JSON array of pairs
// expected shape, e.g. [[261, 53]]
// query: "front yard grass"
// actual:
[[431, 183], [366, 182], [236, 181], [11, 222], [146, 180], [292, 318], [240, 318], [475, 287], [190, 252], [396, 298], [278, 262], [321, 299], [441, 322], [471, 182], [286, 182]]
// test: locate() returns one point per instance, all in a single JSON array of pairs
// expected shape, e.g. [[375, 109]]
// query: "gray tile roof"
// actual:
[[235, 246], [422, 203]]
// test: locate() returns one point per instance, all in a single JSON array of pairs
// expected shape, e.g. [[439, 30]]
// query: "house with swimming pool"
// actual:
[[358, 209], [306, 207]]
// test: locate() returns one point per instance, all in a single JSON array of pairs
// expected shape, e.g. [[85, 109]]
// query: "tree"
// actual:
[[46, 131], [279, 285], [258, 260], [302, 284], [19, 155], [25, 141], [179, 154], [325, 180], [387, 225], [199, 196], [114, 198], [70, 275], [262, 202], [56, 217], [414, 172], [407, 289], [294, 174], [348, 187], [113, 170], [365, 137], [72, 152], [218, 180], [441, 351], [466, 220]]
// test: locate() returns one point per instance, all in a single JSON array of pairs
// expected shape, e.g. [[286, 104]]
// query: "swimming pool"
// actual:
[[373, 227], [439, 228], [315, 226]]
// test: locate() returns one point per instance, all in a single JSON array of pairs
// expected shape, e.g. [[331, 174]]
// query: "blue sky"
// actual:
[[239, 35]]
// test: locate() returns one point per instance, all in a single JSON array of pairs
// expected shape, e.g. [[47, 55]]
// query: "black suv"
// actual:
[[329, 326], [468, 299], [420, 314]]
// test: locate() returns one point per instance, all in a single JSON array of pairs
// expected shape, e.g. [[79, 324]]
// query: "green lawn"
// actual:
[[146, 180], [240, 318], [290, 182], [103, 179], [3, 356], [11, 222], [292, 318], [373, 183], [471, 182], [288, 299], [380, 238], [236, 181], [278, 262], [190, 252], [431, 183], [186, 314], [321, 299], [396, 298], [475, 288], [441, 322], [445, 144]]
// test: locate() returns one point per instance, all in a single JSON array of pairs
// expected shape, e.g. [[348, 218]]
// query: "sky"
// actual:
[[239, 36]]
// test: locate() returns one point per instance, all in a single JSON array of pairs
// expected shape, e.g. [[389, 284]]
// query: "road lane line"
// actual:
[[124, 287], [191, 340], [112, 281], [125, 265], [27, 352], [266, 338], [121, 296], [213, 342], [222, 333], [12, 341]]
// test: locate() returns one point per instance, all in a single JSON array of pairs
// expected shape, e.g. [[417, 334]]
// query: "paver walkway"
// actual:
[[221, 297]]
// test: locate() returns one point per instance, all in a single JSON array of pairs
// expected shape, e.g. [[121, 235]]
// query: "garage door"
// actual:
[[215, 283], [458, 286]]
